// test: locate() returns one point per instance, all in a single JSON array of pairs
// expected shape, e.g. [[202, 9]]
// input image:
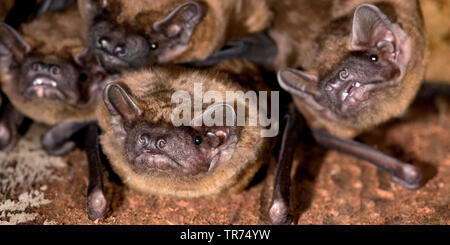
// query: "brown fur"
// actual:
[[314, 35], [223, 21], [58, 35], [437, 21], [5, 7], [152, 89]]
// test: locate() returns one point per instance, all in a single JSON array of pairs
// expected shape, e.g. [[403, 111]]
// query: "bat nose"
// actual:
[[112, 46], [105, 44], [38, 66], [161, 143]]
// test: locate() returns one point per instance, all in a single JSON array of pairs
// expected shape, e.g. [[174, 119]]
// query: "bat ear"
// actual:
[[12, 45], [119, 103], [298, 83], [89, 9], [373, 29], [179, 25], [218, 124]]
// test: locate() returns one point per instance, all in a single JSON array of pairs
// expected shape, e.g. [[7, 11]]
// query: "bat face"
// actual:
[[161, 146], [147, 40], [49, 79], [154, 155], [37, 76], [367, 70], [355, 82]]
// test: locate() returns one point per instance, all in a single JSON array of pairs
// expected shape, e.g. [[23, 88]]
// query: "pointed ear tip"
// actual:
[[366, 6], [282, 71], [195, 4], [108, 88]]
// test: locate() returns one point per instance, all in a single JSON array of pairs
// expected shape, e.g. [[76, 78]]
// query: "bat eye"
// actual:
[[143, 140], [154, 46], [83, 77], [373, 58], [198, 140], [120, 50], [55, 70]]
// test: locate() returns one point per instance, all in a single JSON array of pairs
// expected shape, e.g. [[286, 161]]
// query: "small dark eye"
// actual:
[[55, 70], [83, 77], [143, 140], [198, 140], [154, 46], [373, 58]]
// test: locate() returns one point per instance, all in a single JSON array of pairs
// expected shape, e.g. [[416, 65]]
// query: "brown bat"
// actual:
[[153, 156], [131, 34], [45, 77], [356, 65], [361, 65], [437, 22]]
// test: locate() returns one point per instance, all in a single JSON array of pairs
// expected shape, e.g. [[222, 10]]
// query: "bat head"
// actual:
[[149, 145], [125, 45], [373, 63], [41, 76]]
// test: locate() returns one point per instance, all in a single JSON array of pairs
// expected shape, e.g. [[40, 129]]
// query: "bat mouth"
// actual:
[[163, 162], [157, 161], [110, 62], [45, 88], [354, 92]]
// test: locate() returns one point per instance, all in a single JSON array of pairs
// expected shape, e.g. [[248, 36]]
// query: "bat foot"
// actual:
[[411, 177], [7, 138], [96, 207], [278, 213]]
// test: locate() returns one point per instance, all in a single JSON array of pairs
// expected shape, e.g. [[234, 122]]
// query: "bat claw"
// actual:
[[96, 207], [278, 214], [59, 150], [412, 178], [7, 138]]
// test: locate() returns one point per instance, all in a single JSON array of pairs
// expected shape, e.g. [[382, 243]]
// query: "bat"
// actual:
[[14, 13], [129, 34], [357, 68], [153, 156], [47, 77], [349, 67]]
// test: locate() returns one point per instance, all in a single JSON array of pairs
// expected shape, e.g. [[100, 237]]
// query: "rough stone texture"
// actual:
[[328, 187]]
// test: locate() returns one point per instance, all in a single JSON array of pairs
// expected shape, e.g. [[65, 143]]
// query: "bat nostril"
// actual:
[[161, 144], [120, 50], [37, 66], [103, 43], [344, 74]]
